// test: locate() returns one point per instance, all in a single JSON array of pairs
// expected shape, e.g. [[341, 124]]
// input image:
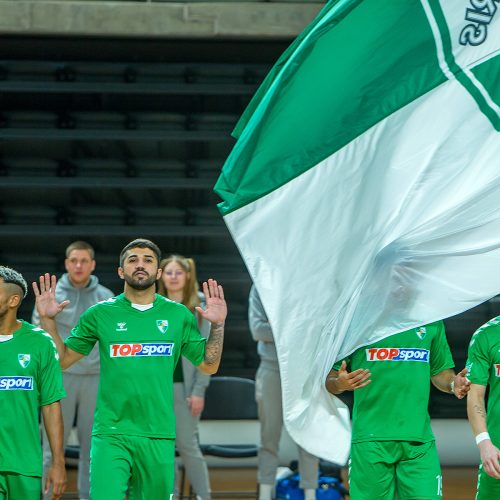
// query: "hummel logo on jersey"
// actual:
[[421, 332], [397, 354], [24, 359], [497, 367], [147, 349], [16, 383], [162, 325], [121, 327]]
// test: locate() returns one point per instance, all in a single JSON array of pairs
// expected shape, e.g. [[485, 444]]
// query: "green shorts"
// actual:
[[487, 487], [18, 487], [380, 469], [140, 465]]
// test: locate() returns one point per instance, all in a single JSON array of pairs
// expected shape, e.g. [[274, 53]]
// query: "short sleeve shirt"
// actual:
[[30, 377], [393, 407], [138, 351], [483, 368]]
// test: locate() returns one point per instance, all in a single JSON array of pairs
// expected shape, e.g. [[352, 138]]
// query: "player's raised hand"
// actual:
[[216, 309], [45, 297], [341, 380], [461, 384]]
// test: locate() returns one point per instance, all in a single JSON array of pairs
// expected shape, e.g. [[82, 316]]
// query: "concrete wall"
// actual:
[[243, 20]]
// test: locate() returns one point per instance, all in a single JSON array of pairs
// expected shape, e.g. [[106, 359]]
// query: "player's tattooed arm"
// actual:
[[213, 348], [476, 412], [215, 312], [476, 408], [480, 410], [339, 381]]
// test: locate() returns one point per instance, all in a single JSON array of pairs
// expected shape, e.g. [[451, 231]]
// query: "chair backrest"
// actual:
[[230, 398]]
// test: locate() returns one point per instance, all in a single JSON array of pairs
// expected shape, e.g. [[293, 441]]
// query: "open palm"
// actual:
[[45, 297], [216, 308]]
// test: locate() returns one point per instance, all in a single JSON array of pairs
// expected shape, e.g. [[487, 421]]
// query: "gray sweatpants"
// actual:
[[81, 398], [269, 402], [187, 445]]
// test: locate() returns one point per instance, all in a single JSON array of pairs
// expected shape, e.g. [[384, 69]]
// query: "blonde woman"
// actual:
[[178, 282]]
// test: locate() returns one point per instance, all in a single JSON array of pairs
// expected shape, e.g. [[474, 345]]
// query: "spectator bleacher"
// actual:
[[108, 140]]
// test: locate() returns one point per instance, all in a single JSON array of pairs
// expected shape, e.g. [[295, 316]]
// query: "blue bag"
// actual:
[[329, 488]]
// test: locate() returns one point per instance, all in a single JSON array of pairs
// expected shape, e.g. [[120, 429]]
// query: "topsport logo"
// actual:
[[397, 354], [16, 383], [147, 349]]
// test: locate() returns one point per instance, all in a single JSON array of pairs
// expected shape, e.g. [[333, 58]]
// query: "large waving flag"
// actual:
[[364, 189]]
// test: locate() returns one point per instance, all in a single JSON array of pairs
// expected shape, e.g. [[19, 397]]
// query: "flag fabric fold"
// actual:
[[363, 191]]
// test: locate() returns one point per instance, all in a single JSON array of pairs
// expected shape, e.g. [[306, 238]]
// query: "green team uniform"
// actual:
[[483, 368], [134, 426], [393, 445], [30, 377]]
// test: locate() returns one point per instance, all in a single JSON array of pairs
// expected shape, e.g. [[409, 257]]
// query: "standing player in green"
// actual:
[[141, 337], [483, 366], [30, 378], [393, 450]]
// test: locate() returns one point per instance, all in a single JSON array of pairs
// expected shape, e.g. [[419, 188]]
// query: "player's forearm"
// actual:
[[50, 326], [476, 412], [213, 349], [53, 421], [331, 383], [444, 381]]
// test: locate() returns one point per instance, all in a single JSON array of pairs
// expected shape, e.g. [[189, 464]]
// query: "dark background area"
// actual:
[[107, 140]]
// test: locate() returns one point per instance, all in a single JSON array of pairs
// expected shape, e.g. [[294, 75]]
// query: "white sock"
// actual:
[[309, 494], [265, 491]]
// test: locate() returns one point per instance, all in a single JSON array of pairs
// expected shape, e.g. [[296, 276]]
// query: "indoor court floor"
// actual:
[[459, 483]]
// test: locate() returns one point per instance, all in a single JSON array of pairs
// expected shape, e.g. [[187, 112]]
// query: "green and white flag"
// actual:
[[364, 189]]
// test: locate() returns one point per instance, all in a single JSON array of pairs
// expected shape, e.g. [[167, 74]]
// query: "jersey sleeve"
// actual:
[[193, 344], [441, 358], [84, 335], [478, 359], [50, 383]]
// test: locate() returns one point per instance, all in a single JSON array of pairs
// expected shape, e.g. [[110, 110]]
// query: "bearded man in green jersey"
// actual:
[[393, 450], [483, 364], [30, 378], [141, 337]]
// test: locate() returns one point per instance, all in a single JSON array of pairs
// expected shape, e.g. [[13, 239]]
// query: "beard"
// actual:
[[141, 283]]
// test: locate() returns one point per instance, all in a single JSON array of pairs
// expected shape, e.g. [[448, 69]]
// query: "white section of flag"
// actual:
[[399, 228]]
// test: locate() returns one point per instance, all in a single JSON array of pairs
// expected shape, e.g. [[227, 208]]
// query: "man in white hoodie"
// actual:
[[81, 381]]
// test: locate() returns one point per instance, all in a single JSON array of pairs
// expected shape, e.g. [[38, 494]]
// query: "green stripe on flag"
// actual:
[[342, 77], [457, 71], [488, 73], [339, 8]]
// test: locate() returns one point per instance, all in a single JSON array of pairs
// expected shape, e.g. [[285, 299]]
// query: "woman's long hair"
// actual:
[[190, 296]]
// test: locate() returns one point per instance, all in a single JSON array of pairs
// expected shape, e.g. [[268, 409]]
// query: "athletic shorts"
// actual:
[[18, 487], [487, 487], [380, 469], [141, 466]]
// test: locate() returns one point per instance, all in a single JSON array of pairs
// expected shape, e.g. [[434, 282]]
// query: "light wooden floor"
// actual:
[[459, 483]]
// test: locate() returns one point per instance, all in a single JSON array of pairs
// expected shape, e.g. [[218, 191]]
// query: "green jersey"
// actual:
[[30, 377], [393, 407], [483, 367], [139, 351]]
